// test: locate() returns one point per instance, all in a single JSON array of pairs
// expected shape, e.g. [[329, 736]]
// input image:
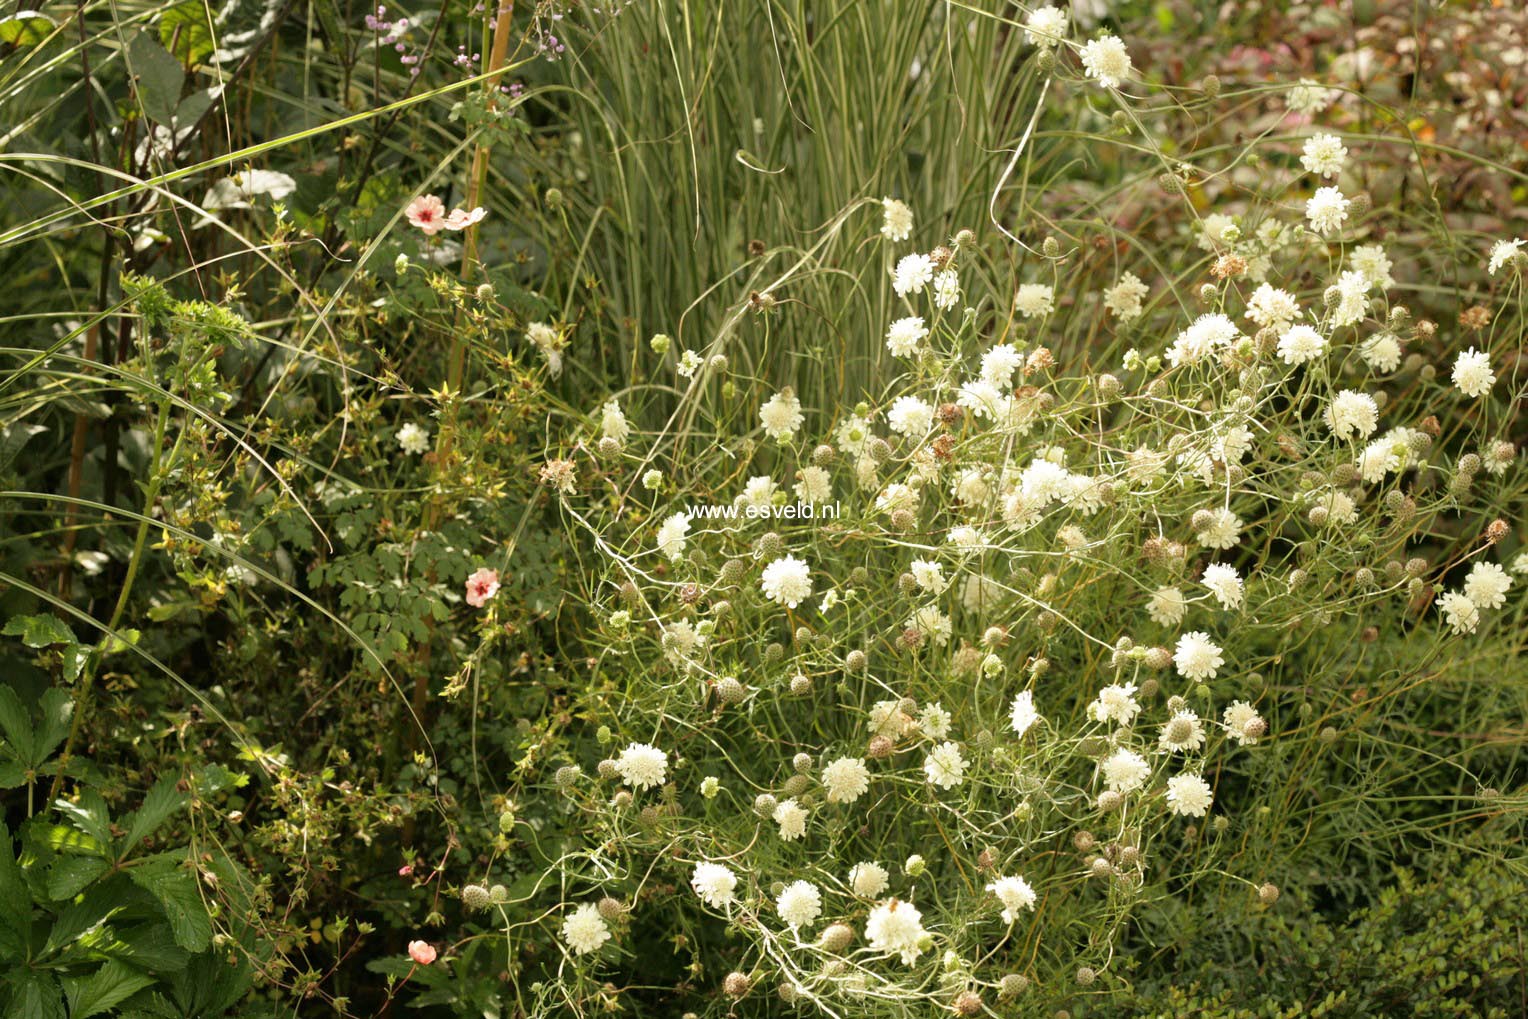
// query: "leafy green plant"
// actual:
[[98, 915]]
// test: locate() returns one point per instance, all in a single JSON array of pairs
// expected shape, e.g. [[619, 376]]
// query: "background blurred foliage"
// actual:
[[256, 596]]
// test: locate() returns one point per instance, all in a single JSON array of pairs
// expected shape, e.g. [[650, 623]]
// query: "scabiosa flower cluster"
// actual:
[[1017, 523]]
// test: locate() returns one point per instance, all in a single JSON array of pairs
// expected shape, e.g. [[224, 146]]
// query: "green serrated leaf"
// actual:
[[158, 75], [110, 985], [57, 712], [162, 801], [175, 888], [185, 33], [90, 815], [15, 899], [34, 995], [16, 726], [70, 875], [38, 631], [62, 838]]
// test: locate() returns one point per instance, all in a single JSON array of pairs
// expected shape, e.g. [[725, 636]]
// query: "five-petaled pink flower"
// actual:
[[422, 952], [428, 213], [481, 586]]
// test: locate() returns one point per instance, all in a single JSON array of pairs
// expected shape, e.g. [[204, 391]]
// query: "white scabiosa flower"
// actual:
[[1106, 60], [1167, 606], [1242, 723], [970, 486], [781, 416], [799, 904], [1125, 771], [896, 220], [896, 927], [897, 496], [1197, 657], [813, 485], [1183, 732], [1327, 210], [584, 929], [934, 721], [947, 290], [1300, 344], [1324, 155], [846, 780], [1472, 373], [1222, 528], [1382, 352], [905, 336], [791, 817], [1460, 613], [1213, 231], [1371, 260], [944, 766], [1045, 27], [980, 397], [1222, 581], [413, 439], [1034, 299], [1023, 716], [613, 423], [932, 623], [1015, 894], [1352, 415], [1502, 252], [787, 581], [910, 416], [912, 274], [1044, 482], [642, 765], [1189, 795], [759, 491], [929, 575], [1487, 586], [1115, 703], [868, 880], [714, 883], [852, 434], [1352, 294], [1309, 98], [671, 536], [888, 719], [689, 364], [1208, 335], [1125, 298], [1270, 306]]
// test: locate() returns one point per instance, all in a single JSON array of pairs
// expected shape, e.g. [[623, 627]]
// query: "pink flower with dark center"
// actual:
[[422, 952], [428, 213], [481, 586]]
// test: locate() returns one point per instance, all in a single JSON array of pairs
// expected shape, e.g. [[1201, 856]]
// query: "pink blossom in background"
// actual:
[[422, 952], [461, 219], [481, 586], [428, 213]]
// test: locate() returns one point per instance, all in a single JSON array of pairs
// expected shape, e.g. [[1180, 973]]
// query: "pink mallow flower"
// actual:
[[422, 952], [428, 213], [481, 586]]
